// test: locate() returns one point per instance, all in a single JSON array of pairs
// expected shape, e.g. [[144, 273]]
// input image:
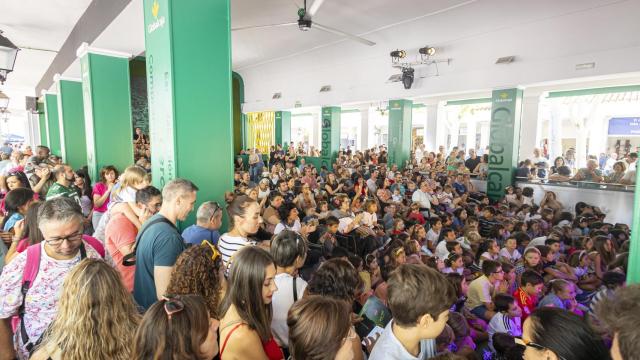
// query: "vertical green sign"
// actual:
[[400, 112], [188, 52], [53, 125], [283, 127], [633, 270], [504, 140], [330, 135], [71, 117], [42, 120], [107, 109]]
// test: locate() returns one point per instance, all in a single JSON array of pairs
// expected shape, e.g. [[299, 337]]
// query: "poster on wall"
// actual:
[[624, 126]]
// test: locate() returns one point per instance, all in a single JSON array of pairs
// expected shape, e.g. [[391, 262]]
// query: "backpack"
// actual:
[[29, 274], [130, 259]]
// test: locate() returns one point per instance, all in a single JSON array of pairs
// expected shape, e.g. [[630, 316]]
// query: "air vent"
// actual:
[[277, 95], [298, 104], [325, 88], [395, 78], [506, 60], [585, 66]]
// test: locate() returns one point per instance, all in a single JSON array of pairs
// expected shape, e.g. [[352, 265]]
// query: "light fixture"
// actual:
[[427, 51], [8, 54], [407, 77], [397, 55], [4, 102]]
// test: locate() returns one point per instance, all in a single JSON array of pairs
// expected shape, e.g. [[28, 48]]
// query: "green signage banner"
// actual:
[[400, 112], [283, 127], [504, 140], [188, 52], [71, 116], [107, 110], [53, 125], [330, 135]]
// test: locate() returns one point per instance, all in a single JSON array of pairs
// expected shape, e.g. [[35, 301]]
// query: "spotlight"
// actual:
[[427, 50], [398, 54], [407, 77]]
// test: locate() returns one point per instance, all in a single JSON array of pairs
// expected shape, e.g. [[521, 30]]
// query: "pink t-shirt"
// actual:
[[99, 189], [118, 233]]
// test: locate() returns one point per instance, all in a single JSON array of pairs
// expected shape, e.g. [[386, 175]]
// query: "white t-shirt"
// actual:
[[441, 250], [282, 301], [369, 219], [512, 257], [432, 236], [281, 226], [388, 347], [423, 199], [229, 245], [501, 323]]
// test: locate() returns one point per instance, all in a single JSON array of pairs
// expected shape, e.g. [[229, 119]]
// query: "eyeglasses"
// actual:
[[216, 253], [75, 237], [531, 344], [172, 305], [499, 272]]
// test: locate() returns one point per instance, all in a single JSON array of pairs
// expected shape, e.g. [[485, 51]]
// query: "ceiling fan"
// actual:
[[305, 23]]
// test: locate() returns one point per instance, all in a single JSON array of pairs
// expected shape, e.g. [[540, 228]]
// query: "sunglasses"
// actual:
[[539, 347], [215, 253], [172, 305]]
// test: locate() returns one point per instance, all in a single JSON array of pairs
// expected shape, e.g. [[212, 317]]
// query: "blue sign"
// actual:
[[624, 126]]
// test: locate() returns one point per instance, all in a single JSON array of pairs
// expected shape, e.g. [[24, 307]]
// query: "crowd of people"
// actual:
[[363, 260]]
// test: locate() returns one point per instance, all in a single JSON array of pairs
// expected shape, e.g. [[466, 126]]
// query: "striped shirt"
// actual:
[[501, 323], [229, 245]]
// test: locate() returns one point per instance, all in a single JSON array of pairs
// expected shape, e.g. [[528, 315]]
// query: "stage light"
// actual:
[[398, 54], [427, 50], [407, 77]]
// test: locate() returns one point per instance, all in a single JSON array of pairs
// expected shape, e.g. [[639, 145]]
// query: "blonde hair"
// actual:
[[96, 315], [132, 176]]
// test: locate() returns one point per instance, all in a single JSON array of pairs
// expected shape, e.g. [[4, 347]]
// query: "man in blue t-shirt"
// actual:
[[208, 221], [159, 243]]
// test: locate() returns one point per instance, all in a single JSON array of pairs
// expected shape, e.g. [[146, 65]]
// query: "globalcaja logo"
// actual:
[[504, 97], [159, 21]]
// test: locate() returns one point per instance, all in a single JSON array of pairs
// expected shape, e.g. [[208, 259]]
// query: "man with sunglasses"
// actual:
[[208, 221], [62, 248]]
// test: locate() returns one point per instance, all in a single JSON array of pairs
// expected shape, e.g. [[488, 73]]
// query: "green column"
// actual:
[[71, 118], [107, 109], [283, 127], [504, 140], [53, 125], [330, 135], [400, 112], [188, 52], [633, 270], [42, 119]]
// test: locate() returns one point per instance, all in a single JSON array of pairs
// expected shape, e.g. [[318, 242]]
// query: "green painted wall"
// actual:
[[633, 270], [283, 127], [399, 144], [53, 125], [330, 135], [504, 140], [42, 120], [71, 116], [190, 97], [107, 112]]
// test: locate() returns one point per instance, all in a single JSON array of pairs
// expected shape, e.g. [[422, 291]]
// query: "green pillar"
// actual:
[[283, 127], [633, 270], [188, 50], [53, 125], [330, 135], [400, 112], [107, 109], [71, 118], [504, 140], [42, 119]]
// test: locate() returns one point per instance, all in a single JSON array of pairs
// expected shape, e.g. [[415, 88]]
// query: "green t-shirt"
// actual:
[[57, 190], [160, 245]]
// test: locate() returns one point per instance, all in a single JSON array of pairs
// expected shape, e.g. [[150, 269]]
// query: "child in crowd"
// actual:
[[454, 264], [507, 318], [531, 284], [509, 253]]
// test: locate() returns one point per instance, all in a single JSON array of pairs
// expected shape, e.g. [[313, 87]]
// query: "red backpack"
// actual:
[[29, 274]]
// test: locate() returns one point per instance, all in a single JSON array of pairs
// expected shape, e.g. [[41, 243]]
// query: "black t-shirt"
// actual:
[[472, 163]]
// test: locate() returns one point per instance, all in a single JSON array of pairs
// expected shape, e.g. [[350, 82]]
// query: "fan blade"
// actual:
[[342, 33], [263, 26], [314, 7]]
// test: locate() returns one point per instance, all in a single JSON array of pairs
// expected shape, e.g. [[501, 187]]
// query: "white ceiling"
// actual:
[[35, 24], [473, 32]]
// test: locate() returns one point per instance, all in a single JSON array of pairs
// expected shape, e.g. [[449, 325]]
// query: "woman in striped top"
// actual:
[[244, 219]]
